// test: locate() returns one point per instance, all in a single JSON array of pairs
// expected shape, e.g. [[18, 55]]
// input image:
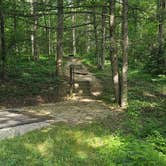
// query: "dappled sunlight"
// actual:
[[134, 72], [82, 155], [46, 130], [144, 103], [82, 110], [90, 145], [43, 148], [86, 100], [149, 94], [29, 146], [109, 141], [96, 93]]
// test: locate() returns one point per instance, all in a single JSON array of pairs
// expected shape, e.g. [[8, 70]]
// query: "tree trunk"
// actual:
[[103, 37], [49, 36], [74, 32], [15, 30], [88, 42], [2, 42], [124, 102], [96, 39], [113, 53], [161, 61], [15, 33], [34, 31], [60, 28]]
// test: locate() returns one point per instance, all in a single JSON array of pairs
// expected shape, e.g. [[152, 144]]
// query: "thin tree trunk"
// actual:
[[124, 102], [60, 28], [49, 36], [74, 32], [2, 42], [15, 30], [96, 39], [161, 61], [113, 53], [34, 31], [103, 37], [88, 42]]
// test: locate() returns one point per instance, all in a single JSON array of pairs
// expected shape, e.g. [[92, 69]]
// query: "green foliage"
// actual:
[[158, 141], [91, 145], [143, 30], [28, 80]]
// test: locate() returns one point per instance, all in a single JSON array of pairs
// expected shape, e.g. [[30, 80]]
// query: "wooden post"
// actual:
[[71, 79]]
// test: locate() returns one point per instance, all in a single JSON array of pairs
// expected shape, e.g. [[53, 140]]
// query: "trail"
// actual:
[[80, 108]]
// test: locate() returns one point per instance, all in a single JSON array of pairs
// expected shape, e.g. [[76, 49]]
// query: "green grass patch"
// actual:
[[92, 144], [28, 80]]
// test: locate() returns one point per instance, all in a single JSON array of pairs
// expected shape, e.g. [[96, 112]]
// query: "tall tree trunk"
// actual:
[[60, 29], [2, 42], [113, 53], [124, 102], [161, 61], [103, 37], [96, 38], [15, 30], [88, 41], [34, 31], [49, 36], [74, 32]]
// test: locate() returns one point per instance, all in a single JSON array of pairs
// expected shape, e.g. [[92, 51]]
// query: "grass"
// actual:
[[146, 96], [136, 137], [29, 82], [92, 144]]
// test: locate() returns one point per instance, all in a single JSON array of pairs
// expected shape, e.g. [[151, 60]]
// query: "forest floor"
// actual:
[[79, 107], [114, 137]]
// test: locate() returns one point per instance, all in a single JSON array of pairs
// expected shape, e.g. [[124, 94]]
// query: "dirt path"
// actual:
[[86, 84], [81, 107]]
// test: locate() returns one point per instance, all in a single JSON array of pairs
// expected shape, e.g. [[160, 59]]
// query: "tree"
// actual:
[[104, 11], [2, 41], [113, 53], [74, 32], [124, 54], [161, 60], [60, 27], [34, 30], [88, 40], [96, 38]]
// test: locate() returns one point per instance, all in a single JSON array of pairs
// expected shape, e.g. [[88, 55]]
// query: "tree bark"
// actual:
[[74, 32], [88, 42], [60, 29], [49, 36], [96, 39], [34, 31], [2, 42], [103, 37], [113, 53], [161, 60], [124, 102], [15, 30]]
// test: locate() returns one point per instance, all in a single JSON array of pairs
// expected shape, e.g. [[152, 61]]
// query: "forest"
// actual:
[[83, 82]]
